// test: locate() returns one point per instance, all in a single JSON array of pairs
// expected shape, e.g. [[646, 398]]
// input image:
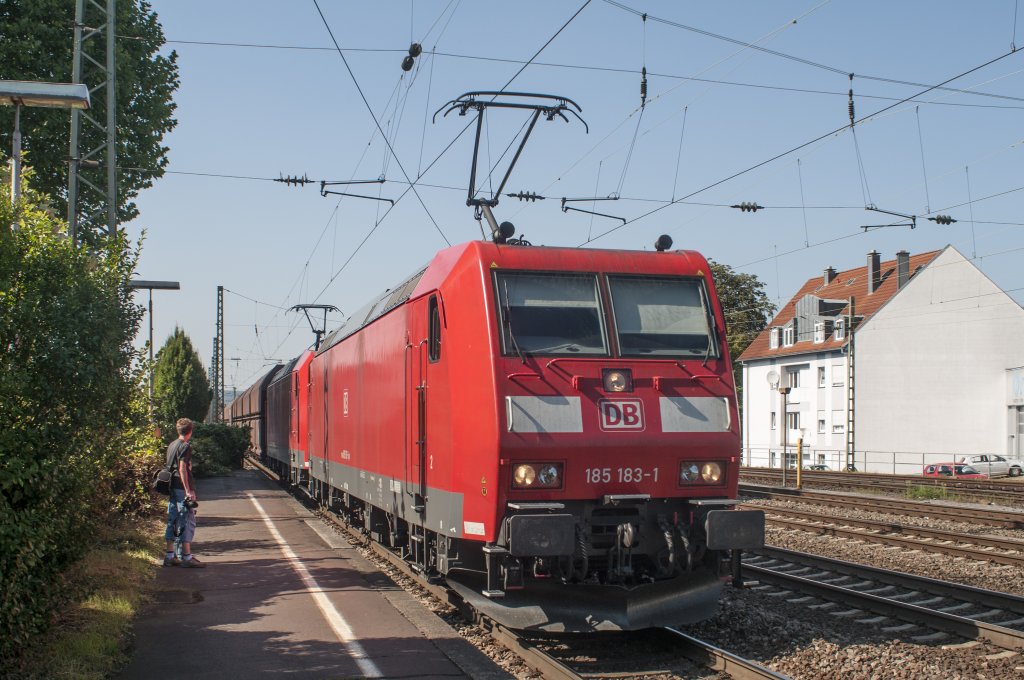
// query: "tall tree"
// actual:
[[746, 307], [181, 388], [37, 45]]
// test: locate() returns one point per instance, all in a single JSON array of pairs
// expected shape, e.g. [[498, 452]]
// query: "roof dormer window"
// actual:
[[819, 332], [840, 328], [773, 339], [788, 336]]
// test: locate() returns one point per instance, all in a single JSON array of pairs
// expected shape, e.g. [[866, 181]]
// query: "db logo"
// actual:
[[621, 415]]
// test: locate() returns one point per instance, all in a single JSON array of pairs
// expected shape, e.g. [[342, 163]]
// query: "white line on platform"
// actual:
[[333, 617]]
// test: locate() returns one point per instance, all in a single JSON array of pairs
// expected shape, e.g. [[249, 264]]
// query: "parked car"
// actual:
[[958, 470], [992, 465], [817, 467]]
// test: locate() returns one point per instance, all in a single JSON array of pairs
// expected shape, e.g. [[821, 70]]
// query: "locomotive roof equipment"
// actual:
[[555, 106]]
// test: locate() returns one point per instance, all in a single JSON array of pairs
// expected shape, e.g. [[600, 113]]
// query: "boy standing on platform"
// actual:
[[181, 506]]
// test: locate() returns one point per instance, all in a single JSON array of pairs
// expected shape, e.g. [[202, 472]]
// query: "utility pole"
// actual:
[[218, 358], [97, 69], [850, 373], [215, 406]]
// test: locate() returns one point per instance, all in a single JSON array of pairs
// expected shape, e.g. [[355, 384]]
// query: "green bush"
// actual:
[[217, 449], [72, 435]]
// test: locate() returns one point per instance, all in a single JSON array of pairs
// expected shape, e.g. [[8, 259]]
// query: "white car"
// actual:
[[992, 465]]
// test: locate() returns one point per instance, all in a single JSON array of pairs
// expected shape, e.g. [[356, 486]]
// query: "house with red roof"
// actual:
[[887, 367]]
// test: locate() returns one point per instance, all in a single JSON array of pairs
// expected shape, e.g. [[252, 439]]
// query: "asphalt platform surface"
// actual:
[[284, 596]]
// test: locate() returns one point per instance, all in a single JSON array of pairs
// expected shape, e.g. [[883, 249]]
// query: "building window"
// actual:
[[773, 339], [787, 336], [838, 422], [838, 371], [773, 420], [793, 420], [819, 332], [840, 328], [821, 426], [821, 376], [794, 377]]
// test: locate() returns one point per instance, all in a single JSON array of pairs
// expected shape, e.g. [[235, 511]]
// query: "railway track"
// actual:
[[988, 516], [532, 648], [1005, 491], [997, 549], [893, 601]]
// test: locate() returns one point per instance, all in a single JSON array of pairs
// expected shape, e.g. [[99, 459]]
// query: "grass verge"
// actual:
[[927, 493], [91, 634]]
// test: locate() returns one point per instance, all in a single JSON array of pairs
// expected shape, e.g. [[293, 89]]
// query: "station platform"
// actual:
[[281, 594]]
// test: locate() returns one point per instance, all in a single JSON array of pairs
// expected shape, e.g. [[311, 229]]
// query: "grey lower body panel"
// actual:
[[443, 510], [552, 606]]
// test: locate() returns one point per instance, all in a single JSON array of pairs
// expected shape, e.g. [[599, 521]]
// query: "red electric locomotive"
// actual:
[[554, 431]]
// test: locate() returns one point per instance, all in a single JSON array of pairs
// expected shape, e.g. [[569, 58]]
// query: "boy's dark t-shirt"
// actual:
[[181, 451]]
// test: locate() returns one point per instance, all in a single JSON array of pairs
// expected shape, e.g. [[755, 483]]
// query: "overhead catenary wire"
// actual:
[[970, 205], [369, 108], [924, 168], [458, 136], [803, 206], [790, 57], [803, 145], [625, 71]]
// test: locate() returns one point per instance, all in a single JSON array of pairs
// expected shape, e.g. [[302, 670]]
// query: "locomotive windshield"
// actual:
[[544, 313], [661, 316]]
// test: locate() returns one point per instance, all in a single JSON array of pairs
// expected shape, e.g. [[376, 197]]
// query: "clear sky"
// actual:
[[731, 86]]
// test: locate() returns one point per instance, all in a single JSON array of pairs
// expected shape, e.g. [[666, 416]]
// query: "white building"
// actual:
[[937, 368]]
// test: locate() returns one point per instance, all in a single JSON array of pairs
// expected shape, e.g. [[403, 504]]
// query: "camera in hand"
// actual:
[[191, 504]]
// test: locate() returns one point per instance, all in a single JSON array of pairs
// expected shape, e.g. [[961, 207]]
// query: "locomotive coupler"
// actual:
[[504, 572], [621, 562]]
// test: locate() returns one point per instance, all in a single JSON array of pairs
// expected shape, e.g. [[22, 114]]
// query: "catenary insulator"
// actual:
[[407, 63], [751, 206]]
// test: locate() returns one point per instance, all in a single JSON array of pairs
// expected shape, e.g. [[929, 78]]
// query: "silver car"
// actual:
[[993, 465]]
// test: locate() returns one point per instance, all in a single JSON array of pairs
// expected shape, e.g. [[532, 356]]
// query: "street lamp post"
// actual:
[[19, 93], [138, 284]]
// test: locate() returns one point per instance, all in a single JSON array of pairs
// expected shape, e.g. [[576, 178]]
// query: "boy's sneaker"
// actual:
[[193, 563], [173, 562]]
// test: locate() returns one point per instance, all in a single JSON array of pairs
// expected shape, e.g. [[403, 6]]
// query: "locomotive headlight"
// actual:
[[689, 473], [549, 475], [524, 476], [711, 473], [617, 380], [537, 476]]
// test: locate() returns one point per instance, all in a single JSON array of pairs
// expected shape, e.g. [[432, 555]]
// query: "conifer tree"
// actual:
[[181, 388]]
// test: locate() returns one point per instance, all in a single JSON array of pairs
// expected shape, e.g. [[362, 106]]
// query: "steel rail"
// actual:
[[999, 518], [809, 522], [963, 626], [709, 656]]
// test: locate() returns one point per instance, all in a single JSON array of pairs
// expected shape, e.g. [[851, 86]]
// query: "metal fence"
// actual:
[[891, 462]]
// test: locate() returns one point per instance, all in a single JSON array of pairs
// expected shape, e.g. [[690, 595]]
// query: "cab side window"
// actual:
[[434, 330]]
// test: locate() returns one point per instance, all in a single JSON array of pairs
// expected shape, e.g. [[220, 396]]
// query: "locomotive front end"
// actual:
[[620, 446]]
